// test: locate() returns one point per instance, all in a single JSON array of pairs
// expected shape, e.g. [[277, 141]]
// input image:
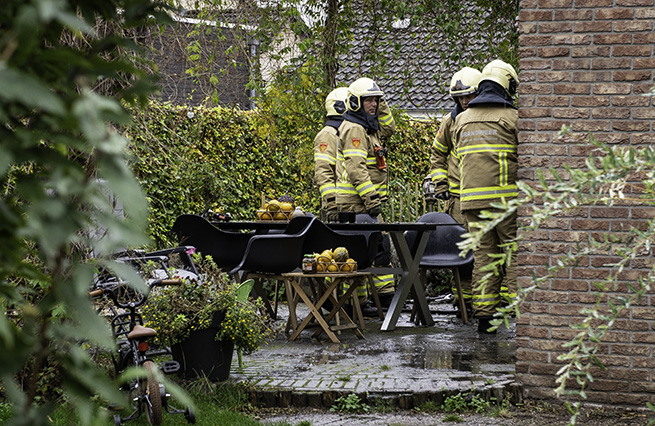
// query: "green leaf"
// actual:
[[56, 10], [6, 159], [28, 91], [83, 378]]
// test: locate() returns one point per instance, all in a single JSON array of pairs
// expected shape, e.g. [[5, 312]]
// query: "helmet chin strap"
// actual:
[[369, 122], [355, 103], [512, 87]]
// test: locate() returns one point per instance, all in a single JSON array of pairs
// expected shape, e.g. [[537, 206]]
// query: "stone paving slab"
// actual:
[[409, 365]]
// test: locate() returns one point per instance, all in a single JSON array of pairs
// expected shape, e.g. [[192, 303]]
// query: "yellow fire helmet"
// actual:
[[503, 74], [361, 88], [335, 103], [465, 82]]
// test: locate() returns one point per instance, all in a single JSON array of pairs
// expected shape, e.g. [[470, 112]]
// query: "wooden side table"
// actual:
[[325, 291]]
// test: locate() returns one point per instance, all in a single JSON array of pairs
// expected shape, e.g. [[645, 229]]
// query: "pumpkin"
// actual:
[[340, 254]]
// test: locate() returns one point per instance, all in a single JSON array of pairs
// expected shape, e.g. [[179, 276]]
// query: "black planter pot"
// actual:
[[200, 355]]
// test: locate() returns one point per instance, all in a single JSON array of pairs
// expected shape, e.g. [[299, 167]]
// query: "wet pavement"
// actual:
[[402, 368]]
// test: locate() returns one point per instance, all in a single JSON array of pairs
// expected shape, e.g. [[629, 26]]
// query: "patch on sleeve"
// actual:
[[356, 142], [322, 146], [439, 132]]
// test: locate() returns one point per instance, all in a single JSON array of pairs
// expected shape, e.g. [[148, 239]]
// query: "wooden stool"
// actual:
[[324, 292]]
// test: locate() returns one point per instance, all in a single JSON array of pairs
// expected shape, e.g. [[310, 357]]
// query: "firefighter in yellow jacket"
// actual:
[[444, 165], [486, 136], [362, 174], [325, 153]]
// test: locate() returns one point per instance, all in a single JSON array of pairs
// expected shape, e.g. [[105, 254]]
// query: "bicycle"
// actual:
[[146, 393]]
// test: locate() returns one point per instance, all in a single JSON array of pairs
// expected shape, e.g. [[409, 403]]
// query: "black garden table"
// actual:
[[409, 258]]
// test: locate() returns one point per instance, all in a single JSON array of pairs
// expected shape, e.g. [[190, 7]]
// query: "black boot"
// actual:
[[348, 308], [385, 300], [369, 309], [484, 324], [469, 310]]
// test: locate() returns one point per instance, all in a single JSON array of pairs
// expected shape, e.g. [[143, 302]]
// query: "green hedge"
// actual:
[[189, 160]]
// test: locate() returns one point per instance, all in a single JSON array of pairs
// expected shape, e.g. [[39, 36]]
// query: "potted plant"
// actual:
[[204, 319]]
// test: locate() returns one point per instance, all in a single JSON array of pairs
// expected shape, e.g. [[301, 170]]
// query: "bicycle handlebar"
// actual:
[[113, 289], [163, 283], [96, 293]]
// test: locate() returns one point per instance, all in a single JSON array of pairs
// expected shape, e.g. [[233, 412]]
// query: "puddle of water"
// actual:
[[461, 355], [448, 345], [432, 360], [426, 351]]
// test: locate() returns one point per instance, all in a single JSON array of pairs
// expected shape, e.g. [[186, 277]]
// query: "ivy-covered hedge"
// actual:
[[190, 160]]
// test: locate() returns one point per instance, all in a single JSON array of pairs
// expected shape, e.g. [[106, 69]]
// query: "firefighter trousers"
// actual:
[[486, 296]]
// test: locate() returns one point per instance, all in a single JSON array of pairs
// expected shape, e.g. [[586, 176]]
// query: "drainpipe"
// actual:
[[252, 45]]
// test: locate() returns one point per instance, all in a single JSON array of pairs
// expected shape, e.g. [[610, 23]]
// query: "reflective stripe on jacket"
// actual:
[[387, 123]]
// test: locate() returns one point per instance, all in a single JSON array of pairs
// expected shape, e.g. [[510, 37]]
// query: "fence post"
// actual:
[[416, 212], [408, 193]]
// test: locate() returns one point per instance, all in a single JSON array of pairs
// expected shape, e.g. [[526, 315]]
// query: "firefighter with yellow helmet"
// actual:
[[362, 173], [444, 165], [325, 153], [486, 142]]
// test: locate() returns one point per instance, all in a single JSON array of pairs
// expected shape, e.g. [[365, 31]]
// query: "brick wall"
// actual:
[[584, 64]]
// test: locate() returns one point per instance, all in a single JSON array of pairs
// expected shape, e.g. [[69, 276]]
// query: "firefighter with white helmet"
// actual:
[[325, 153], [362, 173], [486, 142], [444, 165]]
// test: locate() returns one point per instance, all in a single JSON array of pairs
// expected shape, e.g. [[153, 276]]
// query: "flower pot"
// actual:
[[201, 355]]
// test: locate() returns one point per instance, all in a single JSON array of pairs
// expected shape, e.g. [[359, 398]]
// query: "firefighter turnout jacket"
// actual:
[[325, 162], [487, 142], [362, 174]]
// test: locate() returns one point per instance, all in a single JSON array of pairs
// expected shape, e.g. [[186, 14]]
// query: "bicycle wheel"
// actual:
[[190, 415], [151, 404]]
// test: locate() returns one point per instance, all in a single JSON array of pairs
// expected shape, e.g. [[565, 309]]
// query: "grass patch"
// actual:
[[207, 414], [382, 406], [224, 395], [429, 407], [453, 418], [220, 403], [504, 409]]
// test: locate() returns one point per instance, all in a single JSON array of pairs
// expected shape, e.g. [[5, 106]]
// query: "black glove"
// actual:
[[445, 195], [375, 211], [332, 215]]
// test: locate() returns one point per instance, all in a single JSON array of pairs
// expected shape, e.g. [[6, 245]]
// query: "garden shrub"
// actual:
[[193, 159]]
